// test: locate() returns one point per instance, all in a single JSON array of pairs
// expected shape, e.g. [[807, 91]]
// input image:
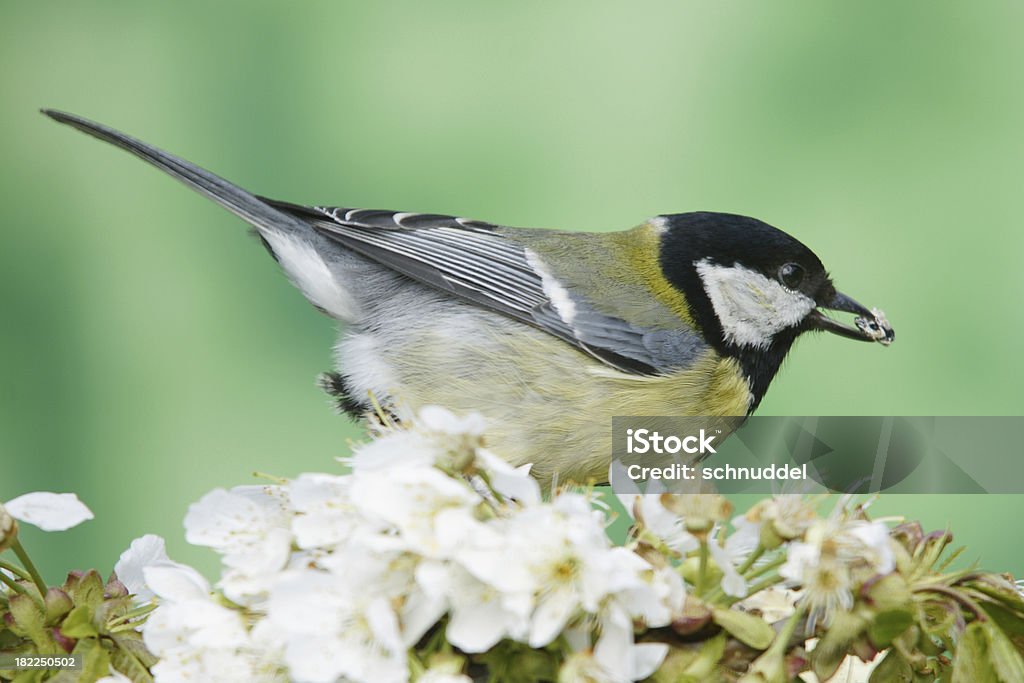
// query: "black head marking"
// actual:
[[730, 240]]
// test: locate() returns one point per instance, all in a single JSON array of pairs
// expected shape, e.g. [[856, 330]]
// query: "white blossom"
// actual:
[[559, 556], [826, 564], [338, 577], [332, 629], [511, 482], [436, 436], [774, 604], [143, 552], [479, 614], [444, 421], [670, 528], [238, 521], [393, 450], [251, 527], [788, 516], [417, 501], [195, 637], [607, 663], [325, 515]]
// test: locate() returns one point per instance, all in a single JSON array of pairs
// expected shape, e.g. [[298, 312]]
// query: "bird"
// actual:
[[548, 334]]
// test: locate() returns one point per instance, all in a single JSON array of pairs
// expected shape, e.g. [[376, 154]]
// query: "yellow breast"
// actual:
[[547, 403]]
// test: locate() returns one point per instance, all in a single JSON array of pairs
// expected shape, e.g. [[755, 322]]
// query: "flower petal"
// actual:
[[49, 511], [476, 628], [176, 582], [143, 552]]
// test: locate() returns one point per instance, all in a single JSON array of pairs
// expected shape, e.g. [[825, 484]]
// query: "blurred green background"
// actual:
[[151, 351]]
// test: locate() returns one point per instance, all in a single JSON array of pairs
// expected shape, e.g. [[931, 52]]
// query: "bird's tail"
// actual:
[[245, 205]]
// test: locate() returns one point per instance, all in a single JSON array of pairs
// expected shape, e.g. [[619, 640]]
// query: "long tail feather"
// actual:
[[236, 200]]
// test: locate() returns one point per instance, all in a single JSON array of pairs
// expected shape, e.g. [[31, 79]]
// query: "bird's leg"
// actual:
[[336, 386]]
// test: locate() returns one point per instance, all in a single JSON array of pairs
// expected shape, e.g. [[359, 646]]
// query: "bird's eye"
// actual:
[[791, 275]]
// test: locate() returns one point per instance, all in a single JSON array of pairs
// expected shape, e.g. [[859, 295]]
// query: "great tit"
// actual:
[[548, 334]]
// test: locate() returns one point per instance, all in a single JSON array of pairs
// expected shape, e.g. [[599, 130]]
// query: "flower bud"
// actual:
[[690, 571], [8, 529], [768, 668], [58, 604], [769, 537], [699, 512], [447, 663], [579, 667], [695, 615]]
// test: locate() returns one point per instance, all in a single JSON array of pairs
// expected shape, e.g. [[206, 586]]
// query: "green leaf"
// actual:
[[892, 669], [111, 609], [26, 613], [29, 676], [745, 627], [65, 676], [1005, 659], [95, 661], [88, 590], [888, 625], [692, 662], [887, 592], [8, 639], [939, 618], [704, 667], [58, 603], [510, 662], [770, 667], [835, 644], [30, 622], [999, 589], [1010, 622], [971, 663], [131, 643], [78, 623], [130, 666]]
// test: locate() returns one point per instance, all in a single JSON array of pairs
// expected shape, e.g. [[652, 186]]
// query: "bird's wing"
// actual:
[[474, 261]]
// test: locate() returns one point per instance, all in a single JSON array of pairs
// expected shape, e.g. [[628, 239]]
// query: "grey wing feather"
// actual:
[[475, 262], [470, 259]]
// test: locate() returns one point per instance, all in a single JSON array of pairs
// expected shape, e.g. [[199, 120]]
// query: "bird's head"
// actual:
[[753, 289]]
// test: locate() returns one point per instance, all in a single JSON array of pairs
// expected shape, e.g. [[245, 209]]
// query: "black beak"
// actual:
[[871, 326]]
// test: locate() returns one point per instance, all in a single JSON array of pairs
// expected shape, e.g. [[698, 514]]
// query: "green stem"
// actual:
[[957, 596], [715, 594], [142, 611], [781, 642], [15, 569], [751, 559], [756, 588], [702, 573], [26, 562], [765, 583], [270, 477], [765, 568], [13, 584]]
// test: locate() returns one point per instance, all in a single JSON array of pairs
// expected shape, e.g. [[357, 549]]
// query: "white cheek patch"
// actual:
[[311, 275], [559, 295], [750, 307]]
